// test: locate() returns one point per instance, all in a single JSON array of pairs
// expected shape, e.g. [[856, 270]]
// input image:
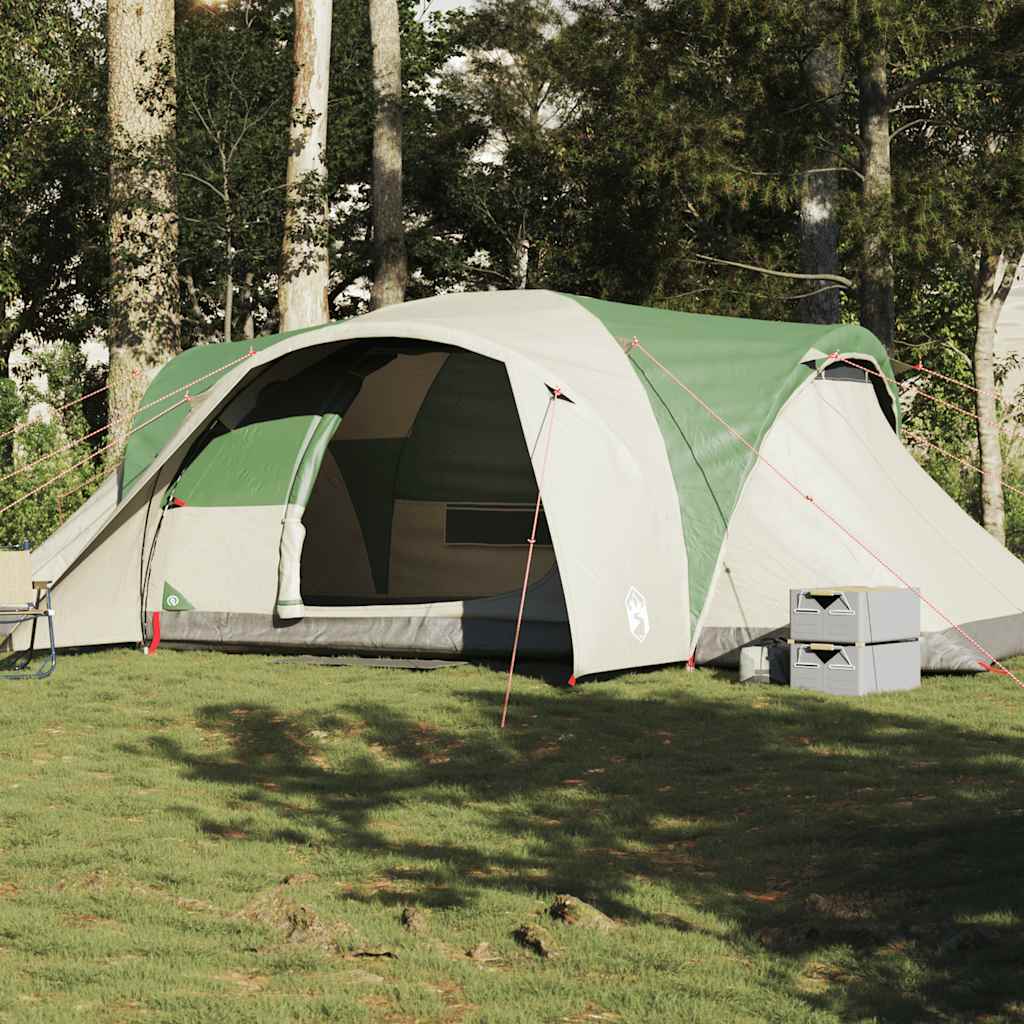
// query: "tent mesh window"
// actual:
[[500, 525]]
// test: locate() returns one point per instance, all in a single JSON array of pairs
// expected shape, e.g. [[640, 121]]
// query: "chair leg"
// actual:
[[52, 664]]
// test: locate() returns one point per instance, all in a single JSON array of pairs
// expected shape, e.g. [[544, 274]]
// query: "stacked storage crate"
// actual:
[[855, 640]]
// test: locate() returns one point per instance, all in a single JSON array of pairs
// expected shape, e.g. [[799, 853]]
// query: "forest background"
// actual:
[[821, 161]]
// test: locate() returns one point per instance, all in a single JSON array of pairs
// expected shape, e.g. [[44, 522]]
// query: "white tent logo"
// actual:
[[636, 614]]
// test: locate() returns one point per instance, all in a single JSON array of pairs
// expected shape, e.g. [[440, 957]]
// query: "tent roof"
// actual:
[[732, 362]]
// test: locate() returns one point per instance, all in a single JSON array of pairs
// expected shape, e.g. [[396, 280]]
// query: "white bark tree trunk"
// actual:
[[248, 301], [302, 293], [521, 257], [144, 297], [390, 264], [995, 278]]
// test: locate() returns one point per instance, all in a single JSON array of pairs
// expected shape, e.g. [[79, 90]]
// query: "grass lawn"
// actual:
[[767, 855]]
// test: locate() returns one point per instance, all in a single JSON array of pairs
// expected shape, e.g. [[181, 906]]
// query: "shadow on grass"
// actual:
[[885, 845]]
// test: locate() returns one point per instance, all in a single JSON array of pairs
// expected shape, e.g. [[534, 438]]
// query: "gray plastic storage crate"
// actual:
[[853, 670], [854, 615]]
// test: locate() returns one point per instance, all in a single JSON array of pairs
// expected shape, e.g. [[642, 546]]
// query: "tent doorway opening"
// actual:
[[425, 492]]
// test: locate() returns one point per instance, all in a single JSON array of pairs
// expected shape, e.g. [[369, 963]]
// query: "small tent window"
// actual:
[[493, 525]]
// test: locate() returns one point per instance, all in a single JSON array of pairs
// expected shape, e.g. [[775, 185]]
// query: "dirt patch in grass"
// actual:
[[248, 982], [296, 923]]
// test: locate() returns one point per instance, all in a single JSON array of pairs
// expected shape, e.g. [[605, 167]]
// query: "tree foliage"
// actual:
[[636, 150]]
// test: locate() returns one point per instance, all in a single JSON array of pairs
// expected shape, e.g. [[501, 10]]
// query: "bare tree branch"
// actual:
[[837, 279], [908, 125], [817, 291]]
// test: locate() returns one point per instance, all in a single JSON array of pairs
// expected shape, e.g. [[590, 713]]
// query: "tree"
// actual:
[[390, 261], [144, 313], [996, 273], [511, 88], [302, 295], [819, 192], [53, 251], [965, 172], [235, 70], [877, 276]]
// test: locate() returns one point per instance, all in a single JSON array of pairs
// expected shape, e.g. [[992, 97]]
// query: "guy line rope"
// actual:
[[921, 439], [115, 419], [993, 663], [18, 428], [891, 380], [89, 458], [185, 400], [532, 543]]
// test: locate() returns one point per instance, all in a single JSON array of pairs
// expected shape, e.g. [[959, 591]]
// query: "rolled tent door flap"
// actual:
[[289, 581]]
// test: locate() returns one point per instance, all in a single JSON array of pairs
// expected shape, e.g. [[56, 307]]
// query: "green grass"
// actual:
[[769, 855]]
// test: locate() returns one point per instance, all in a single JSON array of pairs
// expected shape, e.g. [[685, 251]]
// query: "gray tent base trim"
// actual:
[[455, 637], [947, 651], [430, 635]]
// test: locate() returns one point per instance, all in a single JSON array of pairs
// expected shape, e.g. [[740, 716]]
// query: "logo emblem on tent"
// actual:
[[636, 613]]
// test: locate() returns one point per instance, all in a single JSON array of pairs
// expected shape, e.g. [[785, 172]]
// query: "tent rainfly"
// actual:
[[369, 486]]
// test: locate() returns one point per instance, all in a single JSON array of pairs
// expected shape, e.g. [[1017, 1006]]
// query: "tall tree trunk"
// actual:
[[521, 256], [229, 304], [144, 297], [995, 278], [877, 279], [390, 266], [302, 294], [819, 228], [248, 306]]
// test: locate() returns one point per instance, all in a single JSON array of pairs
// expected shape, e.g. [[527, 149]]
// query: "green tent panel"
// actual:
[[745, 370]]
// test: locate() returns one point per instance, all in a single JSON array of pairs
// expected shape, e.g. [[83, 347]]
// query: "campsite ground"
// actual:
[[767, 855]]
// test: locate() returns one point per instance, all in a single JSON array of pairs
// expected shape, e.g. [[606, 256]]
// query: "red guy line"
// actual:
[[18, 428], [993, 661], [529, 554], [117, 419], [88, 458], [924, 394], [921, 439], [952, 380]]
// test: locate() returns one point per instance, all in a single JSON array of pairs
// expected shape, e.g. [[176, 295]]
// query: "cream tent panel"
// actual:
[[389, 399], [423, 565], [223, 558], [833, 442]]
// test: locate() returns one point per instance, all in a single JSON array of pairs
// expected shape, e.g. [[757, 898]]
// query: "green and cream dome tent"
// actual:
[[370, 486]]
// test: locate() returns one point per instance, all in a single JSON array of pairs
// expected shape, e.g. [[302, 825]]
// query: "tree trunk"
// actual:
[[248, 307], [521, 257], [144, 298], [390, 267], [995, 278], [877, 305], [229, 304], [819, 229], [302, 294]]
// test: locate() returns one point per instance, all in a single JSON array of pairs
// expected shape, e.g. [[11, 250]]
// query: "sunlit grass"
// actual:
[[768, 855]]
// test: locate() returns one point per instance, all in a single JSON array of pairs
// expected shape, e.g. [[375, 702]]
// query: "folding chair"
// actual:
[[22, 600]]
